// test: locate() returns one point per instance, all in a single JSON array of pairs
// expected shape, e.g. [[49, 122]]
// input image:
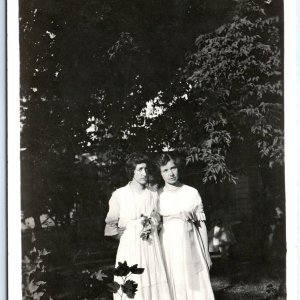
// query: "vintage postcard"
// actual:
[[151, 150]]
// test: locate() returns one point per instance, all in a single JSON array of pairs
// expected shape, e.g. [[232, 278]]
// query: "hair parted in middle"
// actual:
[[133, 160]]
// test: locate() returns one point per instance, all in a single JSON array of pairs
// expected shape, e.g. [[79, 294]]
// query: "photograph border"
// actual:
[[292, 148]]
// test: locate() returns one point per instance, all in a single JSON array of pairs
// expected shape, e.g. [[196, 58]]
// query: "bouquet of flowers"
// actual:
[[146, 223]]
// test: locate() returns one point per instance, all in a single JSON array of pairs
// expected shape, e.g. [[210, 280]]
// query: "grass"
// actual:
[[247, 280], [224, 289], [230, 281]]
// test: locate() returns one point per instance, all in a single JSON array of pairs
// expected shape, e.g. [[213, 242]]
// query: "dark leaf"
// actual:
[[135, 270], [113, 287], [122, 269], [129, 288]]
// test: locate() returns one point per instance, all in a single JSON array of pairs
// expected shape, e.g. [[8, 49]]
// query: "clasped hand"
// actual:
[[188, 216], [121, 231]]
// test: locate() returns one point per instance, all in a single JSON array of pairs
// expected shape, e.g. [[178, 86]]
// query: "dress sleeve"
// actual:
[[155, 212], [198, 208], [112, 217]]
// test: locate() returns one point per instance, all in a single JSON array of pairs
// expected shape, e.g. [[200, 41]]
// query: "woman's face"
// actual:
[[169, 172], [140, 174]]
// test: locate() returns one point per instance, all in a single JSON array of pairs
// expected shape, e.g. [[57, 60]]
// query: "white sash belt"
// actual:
[[190, 244]]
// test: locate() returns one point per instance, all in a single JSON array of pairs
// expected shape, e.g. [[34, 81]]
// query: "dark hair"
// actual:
[[166, 157], [133, 160]]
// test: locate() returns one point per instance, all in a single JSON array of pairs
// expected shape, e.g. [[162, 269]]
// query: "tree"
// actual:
[[227, 98], [94, 65], [224, 111]]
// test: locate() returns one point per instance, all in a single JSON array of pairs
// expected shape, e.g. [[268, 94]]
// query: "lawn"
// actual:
[[70, 268], [244, 280]]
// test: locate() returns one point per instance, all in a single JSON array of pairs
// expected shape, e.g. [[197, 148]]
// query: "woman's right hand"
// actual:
[[121, 231]]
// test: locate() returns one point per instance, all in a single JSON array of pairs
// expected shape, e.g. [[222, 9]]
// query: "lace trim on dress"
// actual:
[[199, 214]]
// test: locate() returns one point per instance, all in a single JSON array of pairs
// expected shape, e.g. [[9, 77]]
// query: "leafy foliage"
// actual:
[[38, 283], [128, 287], [91, 285], [228, 96], [34, 271], [96, 284], [89, 70]]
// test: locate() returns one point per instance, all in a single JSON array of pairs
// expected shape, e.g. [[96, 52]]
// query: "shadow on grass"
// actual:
[[71, 264], [233, 279]]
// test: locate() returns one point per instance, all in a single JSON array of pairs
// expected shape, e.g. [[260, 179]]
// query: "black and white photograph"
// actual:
[[152, 150]]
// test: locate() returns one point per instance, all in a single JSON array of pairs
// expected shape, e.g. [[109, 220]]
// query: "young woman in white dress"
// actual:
[[126, 206], [183, 236]]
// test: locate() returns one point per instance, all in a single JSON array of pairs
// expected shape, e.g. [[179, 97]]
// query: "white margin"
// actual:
[[3, 221], [297, 109], [13, 144], [290, 116], [13, 152]]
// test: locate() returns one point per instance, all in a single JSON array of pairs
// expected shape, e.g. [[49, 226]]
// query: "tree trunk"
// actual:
[[37, 222]]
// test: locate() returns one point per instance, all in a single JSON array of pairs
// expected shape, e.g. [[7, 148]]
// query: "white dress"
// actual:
[[182, 246], [125, 210]]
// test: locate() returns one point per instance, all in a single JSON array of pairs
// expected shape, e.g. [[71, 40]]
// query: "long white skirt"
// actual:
[[152, 283], [184, 284]]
